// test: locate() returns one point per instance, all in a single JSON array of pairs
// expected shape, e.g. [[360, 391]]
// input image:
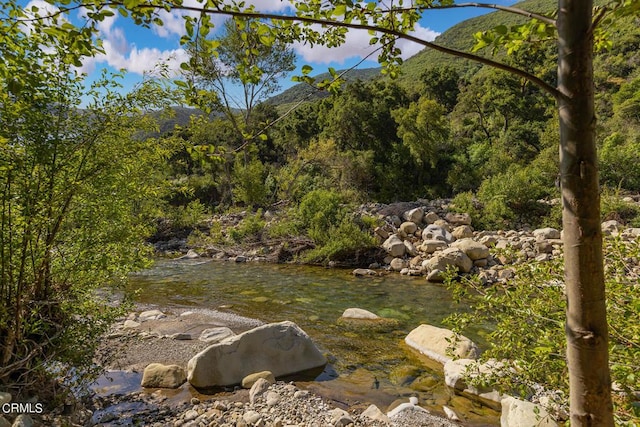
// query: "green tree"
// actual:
[[424, 129], [441, 84], [75, 188]]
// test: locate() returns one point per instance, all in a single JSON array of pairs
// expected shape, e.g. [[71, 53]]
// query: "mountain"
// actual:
[[301, 91], [459, 37]]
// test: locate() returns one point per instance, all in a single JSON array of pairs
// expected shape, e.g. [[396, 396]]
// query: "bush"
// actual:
[[528, 316], [513, 196], [319, 212], [613, 207], [343, 240], [250, 228], [249, 183]]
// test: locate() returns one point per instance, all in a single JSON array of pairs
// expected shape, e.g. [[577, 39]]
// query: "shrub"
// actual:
[[528, 315], [340, 241], [319, 211]]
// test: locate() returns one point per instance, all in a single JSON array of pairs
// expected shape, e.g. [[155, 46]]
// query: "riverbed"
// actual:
[[366, 366]]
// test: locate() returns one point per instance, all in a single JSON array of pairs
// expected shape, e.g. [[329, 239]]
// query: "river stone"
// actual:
[[212, 335], [430, 246], [23, 420], [340, 418], [259, 388], [430, 217], [456, 219], [436, 232], [282, 348], [611, 227], [4, 397], [250, 380], [394, 246], [359, 313], [414, 216], [4, 422], [546, 233], [462, 232], [408, 227], [474, 250], [520, 413], [130, 324], [374, 413], [363, 272], [397, 264], [456, 371], [157, 375], [151, 315], [434, 342]]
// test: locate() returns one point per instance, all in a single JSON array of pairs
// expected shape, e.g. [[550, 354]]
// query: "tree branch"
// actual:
[[514, 10], [328, 22]]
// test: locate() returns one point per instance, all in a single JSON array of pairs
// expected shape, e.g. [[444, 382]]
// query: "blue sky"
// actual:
[[138, 50]]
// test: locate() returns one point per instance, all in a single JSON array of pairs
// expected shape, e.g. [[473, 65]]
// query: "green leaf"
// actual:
[[306, 69]]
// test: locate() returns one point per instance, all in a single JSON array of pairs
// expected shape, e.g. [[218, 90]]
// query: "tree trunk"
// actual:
[[586, 324]]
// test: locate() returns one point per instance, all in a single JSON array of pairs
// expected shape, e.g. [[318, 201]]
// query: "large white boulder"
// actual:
[[520, 413], [441, 344], [282, 348]]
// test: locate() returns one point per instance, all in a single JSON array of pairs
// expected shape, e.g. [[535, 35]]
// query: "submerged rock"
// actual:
[[441, 344]]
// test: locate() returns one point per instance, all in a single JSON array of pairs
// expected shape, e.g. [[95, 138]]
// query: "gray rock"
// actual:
[[546, 233], [259, 388], [4, 397], [435, 232], [611, 228], [151, 315], [430, 217], [340, 418], [457, 371], [374, 413], [212, 335], [251, 417], [430, 246], [394, 246], [282, 348], [462, 232], [130, 324], [458, 218], [414, 215]]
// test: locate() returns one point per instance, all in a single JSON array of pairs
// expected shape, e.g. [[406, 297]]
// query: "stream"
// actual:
[[365, 366]]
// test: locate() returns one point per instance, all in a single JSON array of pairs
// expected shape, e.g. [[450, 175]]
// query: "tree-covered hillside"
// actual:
[[453, 130]]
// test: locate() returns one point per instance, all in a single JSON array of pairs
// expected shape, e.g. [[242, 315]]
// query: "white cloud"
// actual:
[[356, 45]]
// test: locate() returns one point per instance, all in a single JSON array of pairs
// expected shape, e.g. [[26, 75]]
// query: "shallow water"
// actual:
[[365, 365]]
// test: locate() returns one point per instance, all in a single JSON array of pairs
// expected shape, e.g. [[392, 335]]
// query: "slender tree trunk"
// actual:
[[586, 325]]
